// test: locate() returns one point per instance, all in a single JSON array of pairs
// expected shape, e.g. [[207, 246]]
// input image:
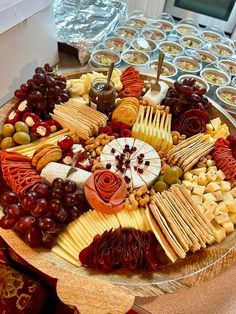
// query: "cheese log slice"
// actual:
[[55, 170]]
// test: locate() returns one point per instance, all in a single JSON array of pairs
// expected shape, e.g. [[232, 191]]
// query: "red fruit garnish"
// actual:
[[67, 157], [123, 126], [66, 142], [125, 133], [30, 118], [115, 125], [106, 130], [82, 156], [54, 125], [232, 140], [13, 116], [41, 129]]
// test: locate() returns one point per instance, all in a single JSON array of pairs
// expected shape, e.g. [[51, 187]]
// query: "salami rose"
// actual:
[[105, 191], [191, 122]]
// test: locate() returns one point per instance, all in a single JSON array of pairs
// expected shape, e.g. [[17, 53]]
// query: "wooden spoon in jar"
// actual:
[[157, 87], [110, 70]]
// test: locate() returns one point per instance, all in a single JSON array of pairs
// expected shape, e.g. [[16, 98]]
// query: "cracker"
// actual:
[[160, 237], [167, 231]]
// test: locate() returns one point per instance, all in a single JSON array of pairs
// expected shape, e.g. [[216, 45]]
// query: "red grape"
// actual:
[[25, 223], [50, 81], [25, 88], [46, 224], [42, 190], [64, 97], [35, 95], [15, 211], [57, 99], [19, 94], [29, 200], [60, 78], [75, 212], [61, 84], [40, 105], [39, 78], [33, 237], [48, 67], [56, 193], [55, 204], [61, 215], [39, 70], [69, 186], [9, 197], [57, 183], [7, 221], [70, 199], [40, 207], [49, 240]]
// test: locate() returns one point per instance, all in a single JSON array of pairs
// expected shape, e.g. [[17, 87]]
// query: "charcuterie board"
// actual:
[[95, 292]]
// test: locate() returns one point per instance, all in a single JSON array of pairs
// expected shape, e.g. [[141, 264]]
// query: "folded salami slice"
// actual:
[[55, 170]]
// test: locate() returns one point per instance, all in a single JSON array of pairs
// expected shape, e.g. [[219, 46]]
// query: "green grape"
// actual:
[[171, 175], [176, 168], [160, 186]]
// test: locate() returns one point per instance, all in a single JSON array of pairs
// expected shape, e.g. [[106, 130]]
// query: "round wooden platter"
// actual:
[[94, 292]]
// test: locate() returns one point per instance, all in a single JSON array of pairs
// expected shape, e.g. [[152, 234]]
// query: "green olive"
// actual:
[[8, 130], [21, 138], [171, 175], [161, 178], [160, 186], [176, 168], [7, 142], [21, 126]]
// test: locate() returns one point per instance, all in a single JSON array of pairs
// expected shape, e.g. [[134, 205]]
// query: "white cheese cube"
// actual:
[[197, 171], [209, 215], [233, 192], [227, 196], [222, 207], [216, 123], [212, 187], [202, 179], [231, 205], [210, 205], [209, 196], [222, 218], [198, 190], [197, 199], [228, 226], [232, 217], [219, 232], [201, 208], [220, 175], [211, 175], [214, 168], [218, 195], [225, 186], [188, 184], [188, 176]]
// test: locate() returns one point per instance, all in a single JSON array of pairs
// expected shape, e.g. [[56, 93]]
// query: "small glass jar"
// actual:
[[101, 96]]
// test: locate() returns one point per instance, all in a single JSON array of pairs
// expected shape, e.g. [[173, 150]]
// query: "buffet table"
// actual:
[[215, 296]]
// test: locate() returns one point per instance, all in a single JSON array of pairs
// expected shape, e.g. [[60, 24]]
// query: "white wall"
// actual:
[[151, 8]]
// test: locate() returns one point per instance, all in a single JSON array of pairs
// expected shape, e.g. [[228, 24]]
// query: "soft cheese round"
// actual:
[[137, 161]]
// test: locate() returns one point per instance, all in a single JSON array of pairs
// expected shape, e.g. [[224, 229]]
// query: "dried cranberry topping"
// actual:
[[127, 179], [141, 155], [140, 170], [147, 163], [135, 168], [113, 150], [108, 166]]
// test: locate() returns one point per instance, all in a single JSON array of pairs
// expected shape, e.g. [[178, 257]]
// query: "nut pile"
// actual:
[[137, 198]]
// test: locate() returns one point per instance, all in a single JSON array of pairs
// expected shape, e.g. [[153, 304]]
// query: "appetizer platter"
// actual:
[[114, 184]]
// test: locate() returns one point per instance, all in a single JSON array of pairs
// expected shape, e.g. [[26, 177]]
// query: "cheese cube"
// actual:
[[195, 178], [222, 218], [209, 196], [197, 171], [212, 168], [228, 226], [210, 205], [197, 199], [209, 215], [216, 123], [220, 175], [222, 207], [198, 190], [231, 205], [209, 128], [212, 187], [188, 176], [233, 192], [225, 186], [219, 232], [227, 196], [202, 179], [218, 195], [188, 184], [232, 217], [211, 175], [201, 208]]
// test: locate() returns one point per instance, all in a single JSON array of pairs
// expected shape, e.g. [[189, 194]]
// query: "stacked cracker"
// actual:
[[83, 120], [126, 110], [188, 152], [177, 223], [45, 154]]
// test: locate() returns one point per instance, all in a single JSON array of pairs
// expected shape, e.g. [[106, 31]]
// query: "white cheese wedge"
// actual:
[[153, 97]]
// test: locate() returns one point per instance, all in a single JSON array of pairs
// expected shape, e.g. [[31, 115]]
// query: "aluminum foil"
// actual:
[[89, 20]]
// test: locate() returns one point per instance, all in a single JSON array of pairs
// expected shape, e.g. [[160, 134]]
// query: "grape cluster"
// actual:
[[43, 91], [185, 96], [43, 211]]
